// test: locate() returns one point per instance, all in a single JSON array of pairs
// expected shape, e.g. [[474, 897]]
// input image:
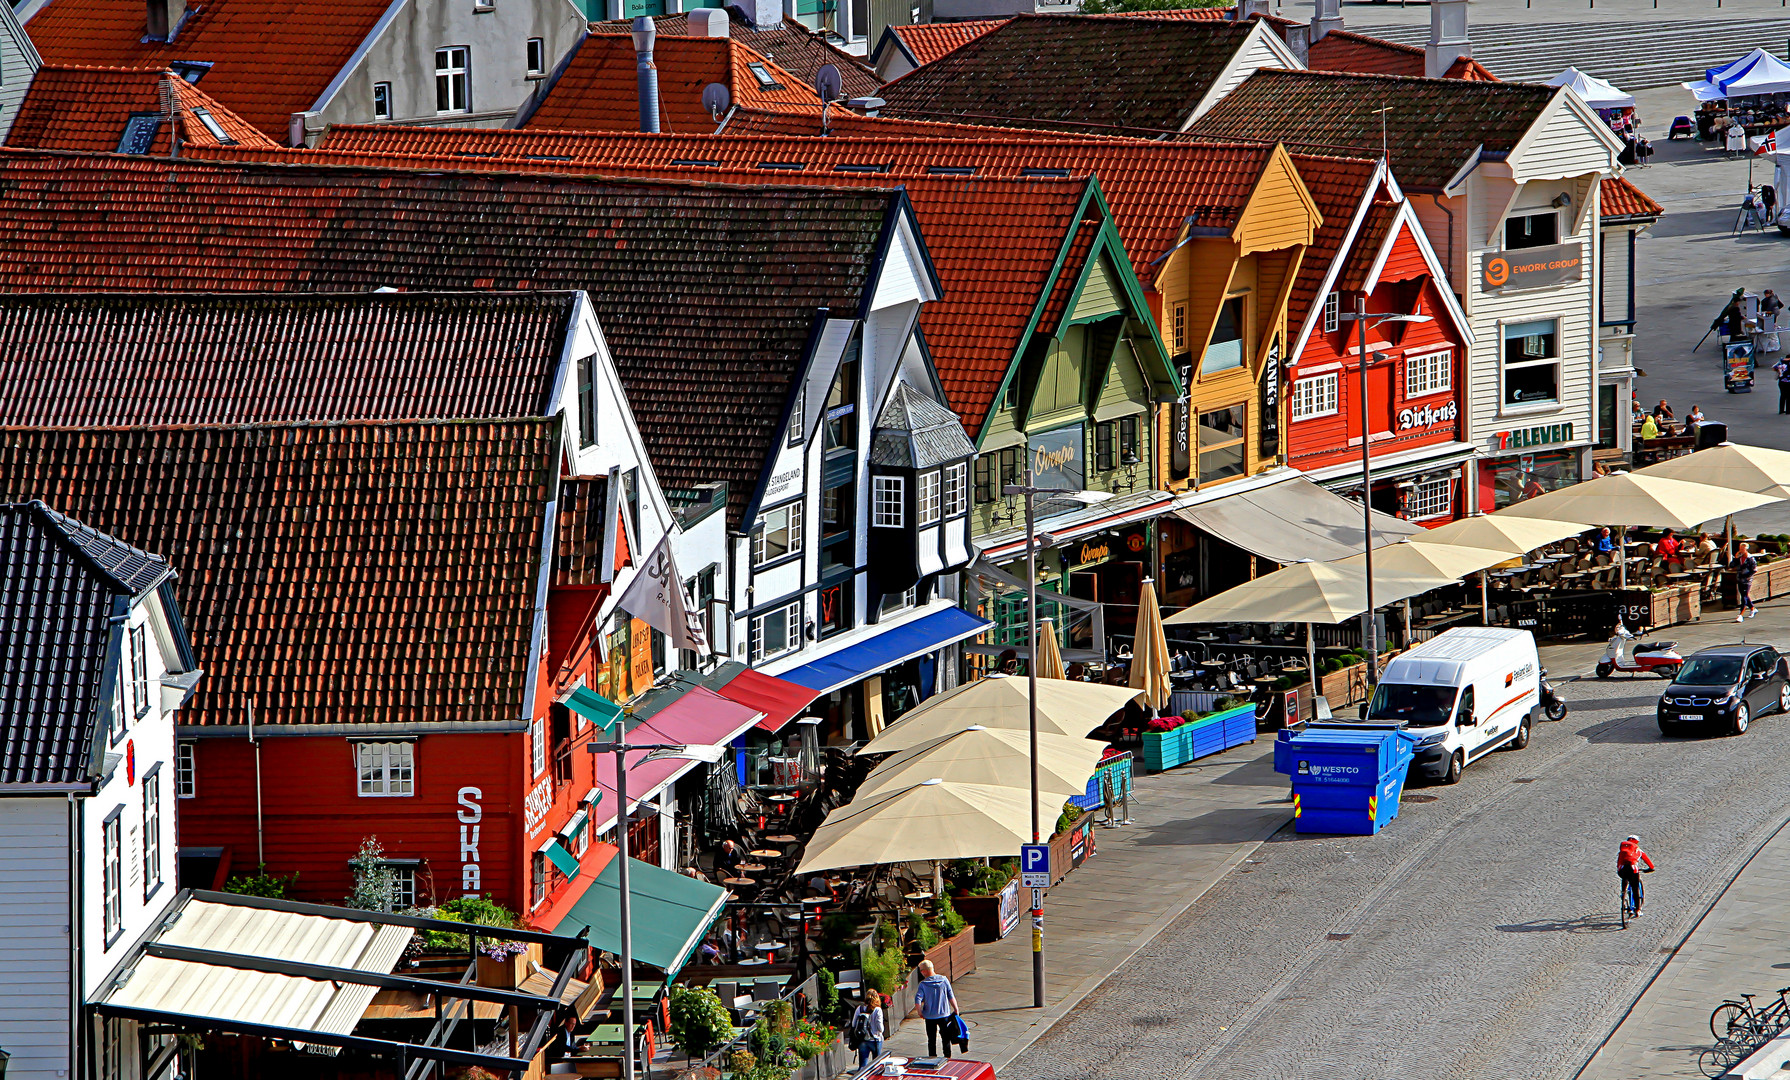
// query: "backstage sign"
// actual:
[[1529, 268], [1427, 417]]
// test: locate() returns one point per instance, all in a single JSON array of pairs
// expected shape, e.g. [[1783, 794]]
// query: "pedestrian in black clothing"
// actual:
[[1744, 567], [1782, 367]]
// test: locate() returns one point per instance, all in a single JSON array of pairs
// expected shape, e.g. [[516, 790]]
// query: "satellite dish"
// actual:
[[828, 83], [716, 99]]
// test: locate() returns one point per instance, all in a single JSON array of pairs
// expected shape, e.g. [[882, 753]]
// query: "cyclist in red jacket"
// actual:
[[1629, 859]]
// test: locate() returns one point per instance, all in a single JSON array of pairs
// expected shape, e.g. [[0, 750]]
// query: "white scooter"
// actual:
[[1624, 653]]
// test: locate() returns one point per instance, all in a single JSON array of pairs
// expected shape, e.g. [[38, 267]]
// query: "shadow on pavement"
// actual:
[[1230, 825], [1583, 924], [1630, 729]]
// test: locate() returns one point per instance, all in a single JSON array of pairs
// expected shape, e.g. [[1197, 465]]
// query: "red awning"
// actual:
[[698, 717], [779, 699]]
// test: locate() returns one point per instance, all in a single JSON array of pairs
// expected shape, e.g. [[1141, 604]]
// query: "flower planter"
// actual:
[[508, 973], [993, 917], [955, 956], [831, 1062], [1199, 738]]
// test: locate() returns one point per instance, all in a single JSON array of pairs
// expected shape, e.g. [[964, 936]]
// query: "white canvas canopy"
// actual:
[[1754, 74], [1597, 93]]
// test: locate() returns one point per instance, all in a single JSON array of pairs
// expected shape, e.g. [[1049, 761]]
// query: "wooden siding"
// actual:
[[1126, 391], [1099, 293], [1448, 237], [1255, 53], [34, 942], [1057, 397], [1280, 212], [1406, 260], [1564, 145]]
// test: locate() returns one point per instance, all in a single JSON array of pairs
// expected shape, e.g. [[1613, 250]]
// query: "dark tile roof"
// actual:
[[1344, 50], [790, 45], [916, 432], [706, 294], [1074, 73], [59, 582], [121, 359], [351, 573], [1433, 129]]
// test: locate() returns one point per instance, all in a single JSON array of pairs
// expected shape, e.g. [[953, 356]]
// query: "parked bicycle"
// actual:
[[1741, 1020]]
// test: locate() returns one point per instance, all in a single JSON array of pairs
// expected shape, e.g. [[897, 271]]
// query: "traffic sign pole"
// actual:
[[1034, 874]]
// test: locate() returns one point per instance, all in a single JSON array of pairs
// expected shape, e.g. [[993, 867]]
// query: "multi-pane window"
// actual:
[[186, 771], [139, 671], [779, 534], [382, 101], [537, 746], [450, 80], [1531, 362], [537, 56], [587, 403], [1128, 440], [386, 768], [1221, 444], [1431, 498], [112, 840], [885, 502], [956, 497], [798, 423], [899, 601], [926, 498], [152, 832], [1103, 444], [1314, 397], [776, 632], [1332, 312], [1429, 374], [403, 885], [1178, 328], [985, 468]]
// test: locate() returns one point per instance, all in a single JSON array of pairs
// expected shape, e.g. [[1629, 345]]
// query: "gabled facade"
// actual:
[[98, 663], [787, 42], [18, 62]]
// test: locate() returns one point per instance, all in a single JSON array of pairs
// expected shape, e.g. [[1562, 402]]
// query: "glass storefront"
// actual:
[[1514, 479]]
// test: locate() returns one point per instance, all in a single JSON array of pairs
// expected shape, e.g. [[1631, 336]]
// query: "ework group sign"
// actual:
[[1528, 268]]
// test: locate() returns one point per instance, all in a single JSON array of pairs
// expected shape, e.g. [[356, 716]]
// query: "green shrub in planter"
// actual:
[[949, 919], [1283, 683], [920, 931], [699, 1022], [884, 970]]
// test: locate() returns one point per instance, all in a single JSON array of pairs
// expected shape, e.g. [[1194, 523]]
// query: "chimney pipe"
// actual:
[[1448, 37], [1326, 16], [646, 74]]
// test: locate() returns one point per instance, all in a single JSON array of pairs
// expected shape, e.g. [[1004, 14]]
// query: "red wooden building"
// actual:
[[1416, 377]]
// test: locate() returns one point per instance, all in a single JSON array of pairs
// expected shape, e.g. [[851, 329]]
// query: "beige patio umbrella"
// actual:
[[1740, 468], [1049, 655], [1518, 536], [1065, 707], [996, 756], [1149, 650], [1417, 556], [934, 819], [1624, 499]]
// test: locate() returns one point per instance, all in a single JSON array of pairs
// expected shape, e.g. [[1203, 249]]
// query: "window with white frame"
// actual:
[[537, 57], [386, 768], [1430, 374], [886, 511], [152, 831], [1332, 312], [779, 533], [1531, 363], [186, 770], [957, 496], [1315, 396], [382, 101], [776, 631], [450, 80], [1430, 498], [899, 601], [926, 498], [537, 746], [139, 671], [403, 884], [112, 842]]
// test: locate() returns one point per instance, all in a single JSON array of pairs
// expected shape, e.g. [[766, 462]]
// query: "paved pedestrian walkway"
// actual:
[[1191, 826]]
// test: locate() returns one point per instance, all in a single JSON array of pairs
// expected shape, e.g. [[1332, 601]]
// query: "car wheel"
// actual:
[[1784, 698], [1604, 668], [1455, 763], [1667, 730], [1521, 740], [1742, 719]]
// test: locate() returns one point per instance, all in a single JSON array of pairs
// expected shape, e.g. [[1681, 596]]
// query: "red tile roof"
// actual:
[[1341, 50], [1466, 67], [599, 90], [88, 108], [1620, 198], [270, 58], [119, 359], [1338, 186], [341, 573], [791, 46]]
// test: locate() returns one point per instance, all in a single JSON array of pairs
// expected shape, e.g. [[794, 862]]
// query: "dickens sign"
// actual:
[[1528, 268]]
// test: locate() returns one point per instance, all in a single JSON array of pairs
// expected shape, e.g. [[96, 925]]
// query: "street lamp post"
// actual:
[[1030, 491], [1371, 631]]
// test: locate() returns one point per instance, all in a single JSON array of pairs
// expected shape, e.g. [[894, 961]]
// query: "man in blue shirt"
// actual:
[[938, 1007]]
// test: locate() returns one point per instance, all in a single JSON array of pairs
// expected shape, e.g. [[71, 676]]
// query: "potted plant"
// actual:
[[987, 896], [699, 1022], [1176, 740]]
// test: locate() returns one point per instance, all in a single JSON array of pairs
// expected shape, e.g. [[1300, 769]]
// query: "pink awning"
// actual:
[[698, 717], [779, 699]]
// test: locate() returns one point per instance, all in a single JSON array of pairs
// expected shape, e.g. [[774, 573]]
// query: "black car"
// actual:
[[1726, 685]]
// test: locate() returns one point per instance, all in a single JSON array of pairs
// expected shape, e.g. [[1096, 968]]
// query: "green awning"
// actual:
[[594, 707], [669, 912], [565, 860]]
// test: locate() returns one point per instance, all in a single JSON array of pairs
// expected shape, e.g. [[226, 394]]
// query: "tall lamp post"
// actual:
[[1360, 317], [1031, 491], [655, 751]]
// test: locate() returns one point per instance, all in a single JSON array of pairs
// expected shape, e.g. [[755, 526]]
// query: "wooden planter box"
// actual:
[[1207, 735], [954, 956], [1676, 604], [1070, 848], [993, 917], [508, 973], [1344, 687]]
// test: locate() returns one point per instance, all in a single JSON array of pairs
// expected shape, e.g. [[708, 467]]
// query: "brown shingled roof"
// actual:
[[89, 108], [1343, 50]]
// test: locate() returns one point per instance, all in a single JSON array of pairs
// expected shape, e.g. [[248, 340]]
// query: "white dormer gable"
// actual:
[[904, 276], [1262, 49], [1566, 140]]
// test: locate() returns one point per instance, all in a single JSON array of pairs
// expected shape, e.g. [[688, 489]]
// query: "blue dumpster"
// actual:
[[1346, 779]]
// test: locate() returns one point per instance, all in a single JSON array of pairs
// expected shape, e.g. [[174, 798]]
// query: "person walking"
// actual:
[[1744, 567], [937, 1005], [1782, 368], [867, 1026]]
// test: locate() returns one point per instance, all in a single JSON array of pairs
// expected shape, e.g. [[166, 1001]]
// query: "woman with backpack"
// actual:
[[867, 1028]]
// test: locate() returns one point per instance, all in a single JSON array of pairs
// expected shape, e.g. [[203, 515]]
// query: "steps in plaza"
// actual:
[[1633, 55]]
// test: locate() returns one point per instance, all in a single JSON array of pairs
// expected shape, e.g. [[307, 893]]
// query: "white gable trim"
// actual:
[[902, 276], [1262, 48], [1564, 100], [14, 24], [1312, 316], [1406, 221]]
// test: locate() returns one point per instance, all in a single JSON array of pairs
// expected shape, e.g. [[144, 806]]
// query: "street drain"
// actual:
[[1338, 937], [1418, 798], [1524, 780]]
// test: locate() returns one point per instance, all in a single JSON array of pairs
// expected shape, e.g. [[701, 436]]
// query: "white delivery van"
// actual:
[[1463, 694]]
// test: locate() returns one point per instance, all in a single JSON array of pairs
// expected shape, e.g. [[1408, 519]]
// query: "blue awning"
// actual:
[[893, 646]]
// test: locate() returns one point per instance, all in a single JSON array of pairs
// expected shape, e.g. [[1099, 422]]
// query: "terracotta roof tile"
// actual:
[[120, 359], [599, 90], [1111, 75], [1432, 132], [86, 108], [791, 46], [677, 272], [1338, 186], [1466, 67], [1620, 198], [351, 573], [1342, 50], [268, 58]]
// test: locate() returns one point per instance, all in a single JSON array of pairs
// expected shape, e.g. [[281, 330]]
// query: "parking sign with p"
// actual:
[[1034, 866]]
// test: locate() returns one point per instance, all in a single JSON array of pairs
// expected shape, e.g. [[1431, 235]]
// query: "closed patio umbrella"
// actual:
[[931, 819], [995, 756], [1065, 707], [1049, 655], [1308, 592], [1149, 650]]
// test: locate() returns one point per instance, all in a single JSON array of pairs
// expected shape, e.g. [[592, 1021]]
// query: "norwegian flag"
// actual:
[[1767, 145]]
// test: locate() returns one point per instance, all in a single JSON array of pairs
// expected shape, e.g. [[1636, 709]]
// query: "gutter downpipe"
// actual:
[[77, 922]]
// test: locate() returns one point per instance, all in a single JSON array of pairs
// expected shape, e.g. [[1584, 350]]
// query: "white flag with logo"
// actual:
[[656, 597]]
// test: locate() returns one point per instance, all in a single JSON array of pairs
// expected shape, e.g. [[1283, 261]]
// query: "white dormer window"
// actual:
[[956, 489]]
